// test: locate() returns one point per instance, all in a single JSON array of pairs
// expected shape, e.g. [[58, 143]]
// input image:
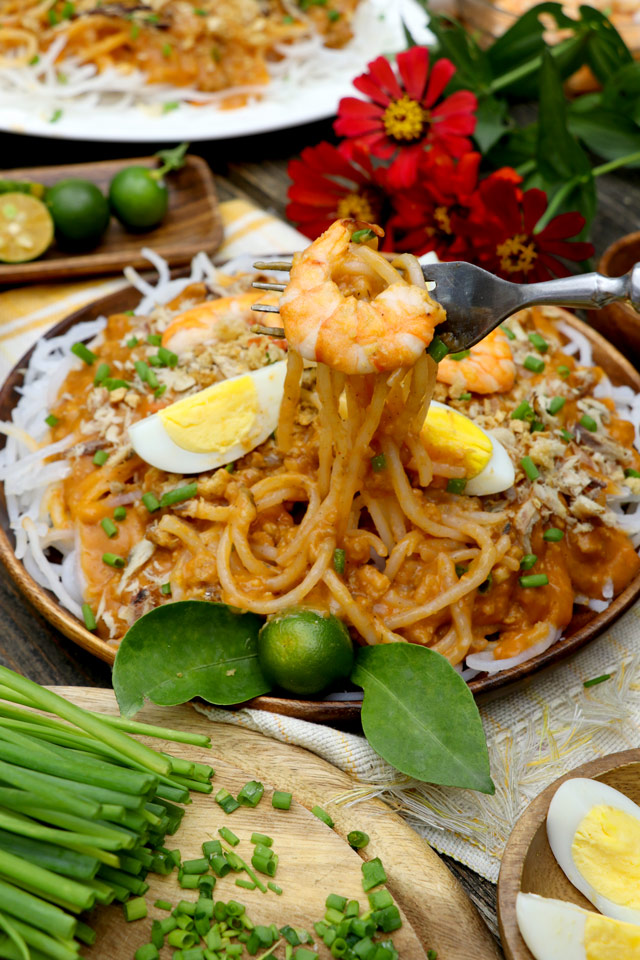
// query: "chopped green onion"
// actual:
[[224, 799], [51, 420], [464, 396], [115, 383], [102, 373], [109, 526], [322, 815], [245, 884], [251, 794], [339, 559], [460, 355], [100, 457], [132, 342], [266, 865], [201, 865], [539, 342], [88, 617], [380, 899], [378, 463], [135, 909], [563, 371], [509, 332], [537, 426], [165, 589], [534, 580], [529, 468], [179, 494], [163, 905], [169, 358], [120, 513], [160, 390], [336, 902], [261, 838], [432, 955], [524, 411], [281, 800], [535, 364], [528, 561], [461, 569], [597, 680], [229, 836], [274, 886], [588, 423], [361, 236], [83, 353], [113, 560], [456, 485], [151, 502], [556, 405], [630, 472], [553, 535], [486, 584], [142, 369], [373, 874], [155, 361], [567, 436], [146, 952], [154, 339], [333, 15], [437, 349]]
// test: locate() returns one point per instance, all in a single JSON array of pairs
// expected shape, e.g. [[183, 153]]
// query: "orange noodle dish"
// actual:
[[467, 503]]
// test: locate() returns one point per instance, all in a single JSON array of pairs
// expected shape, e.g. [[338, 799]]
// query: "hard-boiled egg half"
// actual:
[[594, 833], [450, 437], [214, 426], [556, 930]]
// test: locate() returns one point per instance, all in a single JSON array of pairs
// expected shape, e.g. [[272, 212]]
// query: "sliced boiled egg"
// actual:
[[556, 930], [214, 426], [594, 833], [450, 437]]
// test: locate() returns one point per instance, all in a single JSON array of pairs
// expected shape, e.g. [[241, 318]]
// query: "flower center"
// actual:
[[404, 119], [516, 256], [355, 206], [442, 218]]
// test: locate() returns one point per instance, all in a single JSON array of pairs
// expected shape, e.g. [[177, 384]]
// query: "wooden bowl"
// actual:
[[528, 865], [585, 626], [619, 322]]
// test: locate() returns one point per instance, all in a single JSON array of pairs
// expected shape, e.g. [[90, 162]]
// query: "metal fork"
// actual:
[[476, 301]]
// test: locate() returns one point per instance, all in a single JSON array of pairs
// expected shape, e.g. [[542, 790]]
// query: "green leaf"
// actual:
[[491, 122], [621, 92], [454, 42], [609, 135], [606, 50], [517, 148], [525, 39], [559, 155], [420, 716], [191, 648]]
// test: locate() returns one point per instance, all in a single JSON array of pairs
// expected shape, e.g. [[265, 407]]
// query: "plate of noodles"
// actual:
[[168, 70], [499, 527]]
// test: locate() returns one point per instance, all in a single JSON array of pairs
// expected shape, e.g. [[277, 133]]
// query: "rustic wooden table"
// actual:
[[27, 642]]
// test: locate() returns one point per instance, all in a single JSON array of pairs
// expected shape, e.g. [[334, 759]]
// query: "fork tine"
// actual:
[[276, 265], [264, 308], [268, 286], [267, 331]]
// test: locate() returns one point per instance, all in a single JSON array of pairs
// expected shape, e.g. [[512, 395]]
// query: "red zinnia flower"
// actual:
[[407, 112], [433, 214], [507, 243], [328, 186]]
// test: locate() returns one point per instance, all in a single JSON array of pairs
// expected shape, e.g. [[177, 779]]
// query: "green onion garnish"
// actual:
[[163, 905], [461, 569], [281, 800], [142, 369], [274, 886], [509, 332], [340, 558], [528, 561], [563, 371], [588, 423], [102, 373], [556, 405], [229, 836], [456, 485], [553, 535], [154, 339], [630, 472], [224, 799], [201, 865], [165, 589], [251, 794], [464, 396], [120, 513], [534, 580], [148, 951], [538, 342], [437, 349], [151, 502], [113, 560], [567, 436], [135, 909], [524, 411], [596, 680], [361, 236], [169, 358], [88, 617], [109, 526], [100, 457], [373, 874], [161, 389], [132, 342], [486, 584], [247, 884], [379, 462], [261, 838], [83, 353], [179, 495], [52, 421], [529, 468], [155, 361], [535, 364], [460, 355], [322, 815], [537, 426], [358, 839], [114, 383]]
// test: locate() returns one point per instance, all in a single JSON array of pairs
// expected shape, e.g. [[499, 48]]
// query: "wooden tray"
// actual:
[[585, 626], [528, 865], [314, 860], [192, 223]]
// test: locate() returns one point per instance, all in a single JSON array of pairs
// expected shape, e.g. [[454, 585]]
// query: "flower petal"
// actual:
[[382, 73], [441, 74], [403, 171], [564, 225], [575, 250], [534, 204], [413, 65]]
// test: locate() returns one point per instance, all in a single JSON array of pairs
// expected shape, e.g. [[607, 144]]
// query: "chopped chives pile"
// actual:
[[84, 813]]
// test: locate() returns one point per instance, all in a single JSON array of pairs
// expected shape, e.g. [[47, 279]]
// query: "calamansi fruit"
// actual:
[[26, 228], [304, 651], [80, 212], [138, 198]]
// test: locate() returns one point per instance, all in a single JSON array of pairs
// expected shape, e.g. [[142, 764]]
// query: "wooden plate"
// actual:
[[585, 626], [192, 223], [528, 865], [314, 860]]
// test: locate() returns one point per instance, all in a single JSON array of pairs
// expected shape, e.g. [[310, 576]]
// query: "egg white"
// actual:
[[572, 801], [552, 929], [153, 444], [498, 474]]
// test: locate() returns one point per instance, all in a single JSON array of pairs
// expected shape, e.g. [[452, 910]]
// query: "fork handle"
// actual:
[[584, 290]]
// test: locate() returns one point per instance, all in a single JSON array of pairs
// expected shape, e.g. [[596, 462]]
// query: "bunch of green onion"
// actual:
[[84, 812]]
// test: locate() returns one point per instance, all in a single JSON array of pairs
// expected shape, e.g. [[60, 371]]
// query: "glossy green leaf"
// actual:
[[491, 122], [607, 134], [525, 39], [518, 147], [560, 157], [420, 716], [621, 93], [606, 50], [191, 648], [473, 71]]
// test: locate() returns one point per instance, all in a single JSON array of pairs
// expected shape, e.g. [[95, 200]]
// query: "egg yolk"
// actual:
[[451, 438], [213, 419], [607, 939], [606, 851]]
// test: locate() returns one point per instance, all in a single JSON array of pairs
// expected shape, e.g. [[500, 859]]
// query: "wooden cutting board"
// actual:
[[314, 860]]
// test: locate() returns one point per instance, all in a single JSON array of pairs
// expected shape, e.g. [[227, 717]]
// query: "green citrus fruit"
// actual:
[[137, 199], [80, 212], [26, 228], [304, 652]]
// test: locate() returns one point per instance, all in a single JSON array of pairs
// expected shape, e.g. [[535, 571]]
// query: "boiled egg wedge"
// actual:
[[594, 833], [556, 930], [452, 438], [214, 426]]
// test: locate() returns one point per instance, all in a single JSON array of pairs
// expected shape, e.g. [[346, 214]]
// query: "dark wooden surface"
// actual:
[[253, 167]]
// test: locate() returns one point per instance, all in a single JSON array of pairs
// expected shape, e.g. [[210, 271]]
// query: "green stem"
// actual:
[[15, 938], [56, 949], [531, 66], [47, 884], [46, 787], [527, 167], [41, 914], [615, 164], [556, 202]]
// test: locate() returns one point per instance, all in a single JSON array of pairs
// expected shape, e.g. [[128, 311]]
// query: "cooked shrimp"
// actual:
[[325, 319], [210, 321], [489, 368]]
